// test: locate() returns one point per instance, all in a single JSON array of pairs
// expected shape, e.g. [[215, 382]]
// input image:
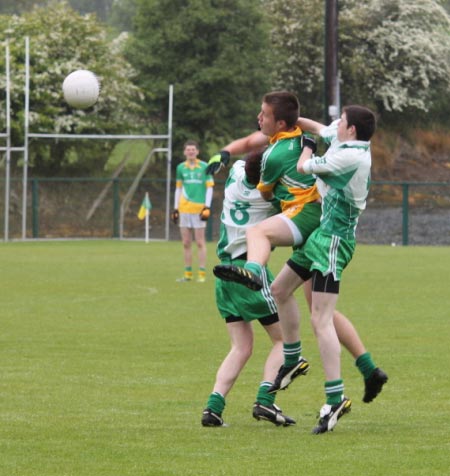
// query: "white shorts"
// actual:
[[191, 220]]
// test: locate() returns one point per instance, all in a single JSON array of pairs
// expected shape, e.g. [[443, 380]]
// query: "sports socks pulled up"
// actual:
[[334, 391], [216, 403], [365, 365], [263, 397], [292, 353]]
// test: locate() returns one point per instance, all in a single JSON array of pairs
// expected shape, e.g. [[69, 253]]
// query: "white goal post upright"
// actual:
[[26, 130], [8, 141], [27, 135]]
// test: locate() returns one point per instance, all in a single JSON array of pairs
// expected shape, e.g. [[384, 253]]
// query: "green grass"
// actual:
[[107, 362]]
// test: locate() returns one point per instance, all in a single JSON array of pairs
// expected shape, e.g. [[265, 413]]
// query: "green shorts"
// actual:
[[325, 253], [304, 220], [236, 300]]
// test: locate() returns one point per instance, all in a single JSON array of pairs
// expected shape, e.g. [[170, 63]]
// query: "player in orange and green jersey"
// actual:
[[295, 193]]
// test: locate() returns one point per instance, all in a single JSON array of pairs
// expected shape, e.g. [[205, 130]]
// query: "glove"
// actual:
[[216, 162], [205, 213], [175, 215], [309, 142]]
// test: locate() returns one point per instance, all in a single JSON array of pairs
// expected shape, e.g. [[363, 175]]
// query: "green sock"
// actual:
[[334, 390], [365, 365], [262, 396], [292, 353], [254, 267], [216, 402]]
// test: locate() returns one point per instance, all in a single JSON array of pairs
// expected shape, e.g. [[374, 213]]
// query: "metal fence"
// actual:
[[401, 213]]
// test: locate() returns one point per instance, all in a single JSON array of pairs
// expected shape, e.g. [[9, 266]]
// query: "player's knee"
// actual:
[[279, 292], [244, 351]]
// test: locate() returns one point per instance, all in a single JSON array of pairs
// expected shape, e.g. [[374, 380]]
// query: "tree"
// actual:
[[297, 40], [214, 52], [62, 41], [101, 8], [393, 54], [122, 14]]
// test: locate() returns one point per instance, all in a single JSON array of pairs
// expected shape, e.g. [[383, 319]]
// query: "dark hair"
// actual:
[[363, 119], [191, 142], [285, 106], [253, 166]]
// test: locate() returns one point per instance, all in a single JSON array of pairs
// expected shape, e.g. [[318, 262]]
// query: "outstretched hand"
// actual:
[[216, 162]]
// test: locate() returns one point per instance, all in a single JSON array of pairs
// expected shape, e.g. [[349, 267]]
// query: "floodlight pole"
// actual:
[[332, 93]]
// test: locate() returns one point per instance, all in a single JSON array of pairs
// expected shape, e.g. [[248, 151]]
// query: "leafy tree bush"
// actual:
[[394, 55], [62, 41], [214, 52], [398, 53]]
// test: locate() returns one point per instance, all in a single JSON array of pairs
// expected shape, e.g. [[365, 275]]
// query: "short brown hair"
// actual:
[[363, 119], [253, 166], [191, 142], [285, 106]]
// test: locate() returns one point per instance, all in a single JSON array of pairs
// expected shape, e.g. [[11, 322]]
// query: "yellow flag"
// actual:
[[146, 206]]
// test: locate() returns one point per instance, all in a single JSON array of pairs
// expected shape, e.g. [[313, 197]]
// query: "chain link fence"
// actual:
[[398, 213]]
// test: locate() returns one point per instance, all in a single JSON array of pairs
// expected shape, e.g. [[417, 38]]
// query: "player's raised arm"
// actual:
[[308, 125], [255, 141]]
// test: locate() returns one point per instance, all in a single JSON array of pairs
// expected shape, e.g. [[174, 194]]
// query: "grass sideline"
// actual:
[[107, 362]]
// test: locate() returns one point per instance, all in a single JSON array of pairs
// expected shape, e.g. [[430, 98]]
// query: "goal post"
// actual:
[[8, 149]]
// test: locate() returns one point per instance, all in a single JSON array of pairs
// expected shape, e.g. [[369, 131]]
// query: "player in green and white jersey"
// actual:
[[343, 176], [243, 206], [274, 137]]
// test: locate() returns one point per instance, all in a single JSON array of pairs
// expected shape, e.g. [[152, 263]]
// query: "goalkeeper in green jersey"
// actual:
[[192, 203]]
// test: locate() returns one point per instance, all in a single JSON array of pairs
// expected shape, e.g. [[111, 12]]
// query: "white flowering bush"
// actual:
[[393, 55]]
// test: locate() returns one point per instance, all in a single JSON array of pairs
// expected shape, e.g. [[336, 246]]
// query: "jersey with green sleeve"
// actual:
[[345, 171], [243, 206], [194, 182], [279, 172]]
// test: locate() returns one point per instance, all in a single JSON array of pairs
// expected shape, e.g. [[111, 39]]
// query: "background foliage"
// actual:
[[215, 61], [62, 41], [221, 56]]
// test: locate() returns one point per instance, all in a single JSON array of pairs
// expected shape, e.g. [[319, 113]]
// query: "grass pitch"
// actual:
[[107, 362]]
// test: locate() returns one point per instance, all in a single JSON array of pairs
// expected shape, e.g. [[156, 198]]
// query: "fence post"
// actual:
[[116, 208], [35, 206], [405, 213]]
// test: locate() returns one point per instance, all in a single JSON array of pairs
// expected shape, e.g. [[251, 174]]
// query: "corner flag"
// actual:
[[146, 206]]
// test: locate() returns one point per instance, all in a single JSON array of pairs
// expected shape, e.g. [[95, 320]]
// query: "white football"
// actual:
[[81, 89]]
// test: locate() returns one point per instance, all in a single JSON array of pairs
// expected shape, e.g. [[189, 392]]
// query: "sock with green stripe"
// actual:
[[254, 267], [292, 353], [334, 390]]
